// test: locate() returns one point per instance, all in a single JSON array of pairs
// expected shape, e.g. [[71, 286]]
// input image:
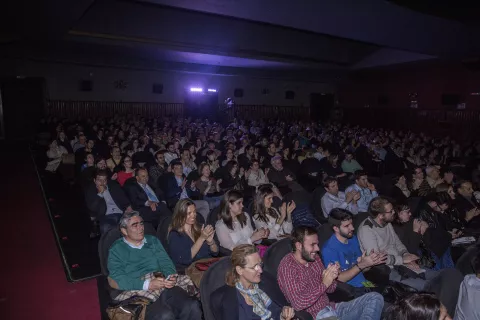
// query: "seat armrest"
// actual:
[[342, 293], [303, 315]]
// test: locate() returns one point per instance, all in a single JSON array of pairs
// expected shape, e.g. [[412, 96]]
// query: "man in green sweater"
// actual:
[[135, 255]]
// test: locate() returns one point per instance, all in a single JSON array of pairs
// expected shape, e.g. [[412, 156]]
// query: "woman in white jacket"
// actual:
[[278, 222], [256, 178]]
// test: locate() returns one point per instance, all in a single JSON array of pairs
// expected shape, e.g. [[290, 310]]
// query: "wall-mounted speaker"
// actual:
[[157, 88], [238, 93], [290, 95], [86, 85]]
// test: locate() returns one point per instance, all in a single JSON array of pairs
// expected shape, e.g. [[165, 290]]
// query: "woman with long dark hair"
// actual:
[[234, 225], [417, 306], [232, 177], [278, 222]]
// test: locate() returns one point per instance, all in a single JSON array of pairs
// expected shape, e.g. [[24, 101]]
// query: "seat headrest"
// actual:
[[275, 254], [104, 245], [213, 279]]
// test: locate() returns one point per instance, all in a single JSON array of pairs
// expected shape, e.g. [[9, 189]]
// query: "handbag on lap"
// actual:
[[196, 270], [131, 309]]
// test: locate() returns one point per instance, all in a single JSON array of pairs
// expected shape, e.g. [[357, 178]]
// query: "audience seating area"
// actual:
[[157, 160]]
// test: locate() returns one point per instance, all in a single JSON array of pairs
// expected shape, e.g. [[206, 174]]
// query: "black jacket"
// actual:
[[97, 204], [225, 305], [410, 239], [137, 195], [463, 205]]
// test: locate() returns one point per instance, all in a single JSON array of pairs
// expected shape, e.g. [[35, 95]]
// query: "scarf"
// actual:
[[260, 300]]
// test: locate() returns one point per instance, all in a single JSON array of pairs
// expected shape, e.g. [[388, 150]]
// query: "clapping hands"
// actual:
[[373, 259], [207, 233], [330, 274]]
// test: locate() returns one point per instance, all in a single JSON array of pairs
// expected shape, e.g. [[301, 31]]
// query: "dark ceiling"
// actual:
[[465, 11], [311, 39]]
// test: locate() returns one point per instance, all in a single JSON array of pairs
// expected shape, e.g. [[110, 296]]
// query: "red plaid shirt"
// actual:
[[302, 284]]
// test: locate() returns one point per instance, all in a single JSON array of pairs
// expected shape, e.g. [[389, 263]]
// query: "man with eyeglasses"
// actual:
[[136, 255], [377, 233]]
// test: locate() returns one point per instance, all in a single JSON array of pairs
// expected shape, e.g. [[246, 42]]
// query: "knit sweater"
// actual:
[[128, 265], [381, 238]]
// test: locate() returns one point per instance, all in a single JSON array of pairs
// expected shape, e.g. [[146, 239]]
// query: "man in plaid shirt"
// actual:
[[305, 282]]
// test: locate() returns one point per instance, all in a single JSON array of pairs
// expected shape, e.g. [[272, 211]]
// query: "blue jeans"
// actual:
[[367, 307], [443, 262]]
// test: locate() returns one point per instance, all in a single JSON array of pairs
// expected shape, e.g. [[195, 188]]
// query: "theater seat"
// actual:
[[275, 254], [316, 204], [465, 262], [446, 287], [162, 231], [269, 285], [324, 233], [213, 279]]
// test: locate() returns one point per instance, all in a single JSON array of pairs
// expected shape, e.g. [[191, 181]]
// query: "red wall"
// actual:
[[429, 80]]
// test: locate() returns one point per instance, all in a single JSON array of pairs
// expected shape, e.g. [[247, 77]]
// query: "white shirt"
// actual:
[[319, 156], [469, 296], [257, 178], [276, 230], [170, 156], [228, 238], [329, 201]]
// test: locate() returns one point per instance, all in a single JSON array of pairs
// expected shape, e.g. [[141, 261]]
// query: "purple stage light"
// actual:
[[196, 90]]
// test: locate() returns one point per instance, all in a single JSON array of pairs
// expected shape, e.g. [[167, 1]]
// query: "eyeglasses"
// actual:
[[391, 211], [257, 267]]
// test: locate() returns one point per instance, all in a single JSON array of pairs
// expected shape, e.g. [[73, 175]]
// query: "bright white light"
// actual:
[[212, 90], [196, 89]]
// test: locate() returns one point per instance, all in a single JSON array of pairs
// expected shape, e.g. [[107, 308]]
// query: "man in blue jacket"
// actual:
[[177, 188]]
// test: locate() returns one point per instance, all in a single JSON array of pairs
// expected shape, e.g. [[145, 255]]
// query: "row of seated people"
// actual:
[[302, 276], [293, 158], [108, 200], [425, 225]]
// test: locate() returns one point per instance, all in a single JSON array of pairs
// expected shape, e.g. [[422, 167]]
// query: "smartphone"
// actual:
[[171, 276]]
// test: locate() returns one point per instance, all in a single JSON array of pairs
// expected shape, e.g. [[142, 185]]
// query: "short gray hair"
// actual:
[[126, 217]]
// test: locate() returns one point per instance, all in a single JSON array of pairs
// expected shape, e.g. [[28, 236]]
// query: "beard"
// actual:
[[346, 235], [306, 256]]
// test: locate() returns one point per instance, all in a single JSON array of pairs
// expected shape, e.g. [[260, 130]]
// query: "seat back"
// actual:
[[107, 240], [162, 231], [358, 219], [324, 233], [301, 198], [275, 254], [316, 204], [213, 279], [213, 216], [465, 262]]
